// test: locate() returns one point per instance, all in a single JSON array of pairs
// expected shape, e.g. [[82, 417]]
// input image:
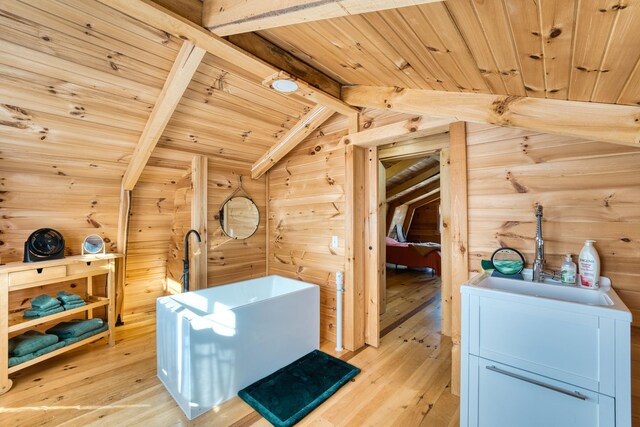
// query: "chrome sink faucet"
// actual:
[[538, 263]]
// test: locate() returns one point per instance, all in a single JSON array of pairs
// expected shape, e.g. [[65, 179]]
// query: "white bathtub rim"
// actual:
[[208, 316]]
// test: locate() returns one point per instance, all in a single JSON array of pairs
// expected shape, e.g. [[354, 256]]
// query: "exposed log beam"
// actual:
[[225, 17], [199, 182], [402, 165], [428, 200], [413, 197], [307, 124], [459, 244], [269, 52], [183, 69], [122, 240], [159, 17], [416, 127], [605, 122], [414, 183], [415, 206], [418, 193]]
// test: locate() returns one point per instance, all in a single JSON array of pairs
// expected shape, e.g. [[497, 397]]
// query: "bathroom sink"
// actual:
[[604, 297]]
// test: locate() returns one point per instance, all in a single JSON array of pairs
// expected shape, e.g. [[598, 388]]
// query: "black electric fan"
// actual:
[[43, 245]]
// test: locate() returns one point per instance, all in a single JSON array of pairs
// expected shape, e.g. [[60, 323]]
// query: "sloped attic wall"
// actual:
[[77, 84], [75, 93]]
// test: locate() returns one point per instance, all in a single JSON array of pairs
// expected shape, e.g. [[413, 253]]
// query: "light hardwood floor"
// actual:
[[404, 382]]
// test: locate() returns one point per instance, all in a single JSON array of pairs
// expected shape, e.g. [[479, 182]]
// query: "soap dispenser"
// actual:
[[568, 271], [589, 266]]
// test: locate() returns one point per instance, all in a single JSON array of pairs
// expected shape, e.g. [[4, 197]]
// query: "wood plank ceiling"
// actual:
[[569, 49], [85, 77]]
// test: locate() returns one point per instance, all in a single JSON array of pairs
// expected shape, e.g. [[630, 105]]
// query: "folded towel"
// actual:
[[67, 297], [16, 360], [34, 314], [70, 305], [68, 341], [75, 328], [30, 342], [44, 302]]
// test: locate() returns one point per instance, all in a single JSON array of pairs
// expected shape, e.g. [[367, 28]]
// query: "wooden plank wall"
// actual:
[[233, 260], [424, 225], [151, 218], [181, 224], [589, 190], [307, 208]]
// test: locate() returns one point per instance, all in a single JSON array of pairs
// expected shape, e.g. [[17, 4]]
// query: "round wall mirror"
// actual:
[[93, 244], [239, 217], [507, 261]]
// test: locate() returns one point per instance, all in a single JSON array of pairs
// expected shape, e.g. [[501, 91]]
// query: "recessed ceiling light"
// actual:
[[284, 85]]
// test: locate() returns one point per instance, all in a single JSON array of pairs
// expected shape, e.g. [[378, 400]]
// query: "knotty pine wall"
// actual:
[[181, 223], [229, 260], [306, 197], [424, 225], [306, 208], [150, 221], [232, 260], [589, 190]]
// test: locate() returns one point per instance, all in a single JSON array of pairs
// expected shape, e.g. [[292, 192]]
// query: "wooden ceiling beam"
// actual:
[[413, 128], [426, 201], [415, 196], [307, 124], [225, 17], [401, 166], [163, 19], [418, 193], [604, 122], [414, 183], [269, 52], [184, 67]]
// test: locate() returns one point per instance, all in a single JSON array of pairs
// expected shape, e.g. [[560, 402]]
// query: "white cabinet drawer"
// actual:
[[500, 395], [571, 347]]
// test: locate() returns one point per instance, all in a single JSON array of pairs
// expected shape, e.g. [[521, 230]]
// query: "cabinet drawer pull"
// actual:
[[538, 383]]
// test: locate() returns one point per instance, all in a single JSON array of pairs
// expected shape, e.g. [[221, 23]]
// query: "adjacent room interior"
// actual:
[[208, 205]]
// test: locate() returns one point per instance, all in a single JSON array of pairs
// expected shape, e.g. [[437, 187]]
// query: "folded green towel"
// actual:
[[75, 328], [34, 314], [71, 305], [30, 342], [44, 302], [16, 360], [67, 297], [68, 341]]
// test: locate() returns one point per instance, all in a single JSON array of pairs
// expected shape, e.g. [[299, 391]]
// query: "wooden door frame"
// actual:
[[373, 273]]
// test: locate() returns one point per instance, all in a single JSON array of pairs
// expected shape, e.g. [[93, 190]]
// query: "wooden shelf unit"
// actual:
[[18, 276]]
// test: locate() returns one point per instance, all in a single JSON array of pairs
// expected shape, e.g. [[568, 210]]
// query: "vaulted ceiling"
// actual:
[[559, 49]]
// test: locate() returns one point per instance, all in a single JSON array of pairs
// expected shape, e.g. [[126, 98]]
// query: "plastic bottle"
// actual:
[[568, 271], [589, 263]]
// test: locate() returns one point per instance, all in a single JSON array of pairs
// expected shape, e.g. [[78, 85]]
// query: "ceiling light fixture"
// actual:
[[284, 85]]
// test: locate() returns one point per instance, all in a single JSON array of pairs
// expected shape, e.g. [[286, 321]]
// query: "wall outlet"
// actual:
[[334, 241]]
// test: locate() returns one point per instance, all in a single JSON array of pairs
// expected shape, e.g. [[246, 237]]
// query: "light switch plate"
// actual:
[[334, 241]]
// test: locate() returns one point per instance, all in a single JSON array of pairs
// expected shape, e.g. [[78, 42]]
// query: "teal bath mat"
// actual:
[[289, 394]]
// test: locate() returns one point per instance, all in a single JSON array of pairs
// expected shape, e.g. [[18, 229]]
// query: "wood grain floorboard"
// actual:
[[404, 382]]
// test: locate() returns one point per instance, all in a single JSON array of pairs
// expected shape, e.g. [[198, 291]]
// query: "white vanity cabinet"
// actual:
[[529, 360]]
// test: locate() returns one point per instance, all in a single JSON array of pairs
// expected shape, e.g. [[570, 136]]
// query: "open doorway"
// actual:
[[412, 240], [415, 156]]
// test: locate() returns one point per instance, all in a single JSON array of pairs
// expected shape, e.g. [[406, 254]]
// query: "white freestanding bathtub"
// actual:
[[214, 342]]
